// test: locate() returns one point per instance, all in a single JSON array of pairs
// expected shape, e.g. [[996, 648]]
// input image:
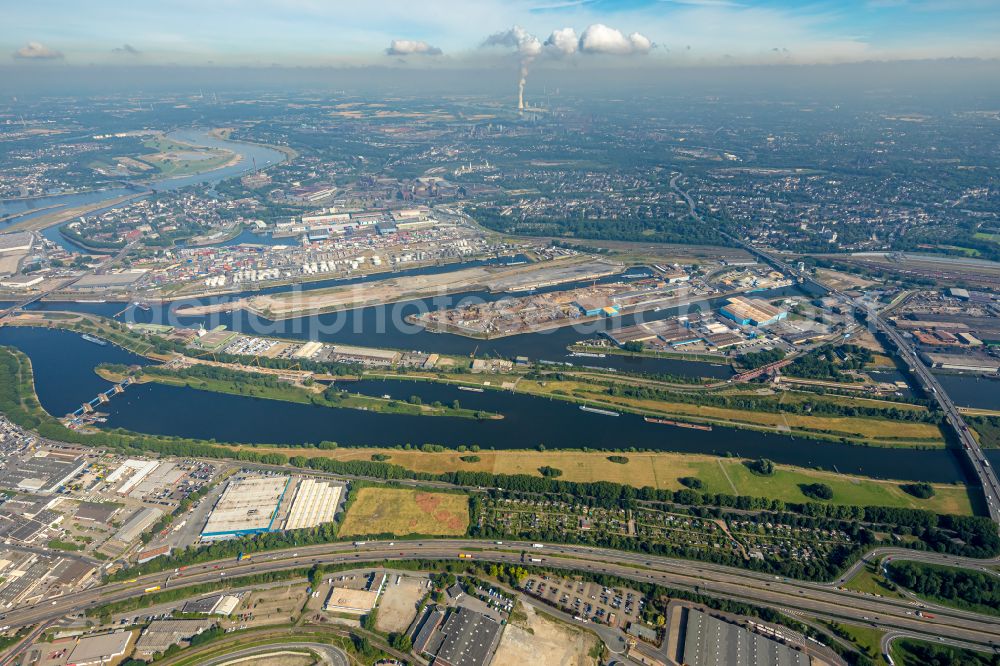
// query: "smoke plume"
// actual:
[[528, 48]]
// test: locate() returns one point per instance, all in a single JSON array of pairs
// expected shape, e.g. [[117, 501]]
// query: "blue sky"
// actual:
[[443, 33]]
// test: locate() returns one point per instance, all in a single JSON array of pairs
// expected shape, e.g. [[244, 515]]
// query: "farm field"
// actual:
[[404, 511]]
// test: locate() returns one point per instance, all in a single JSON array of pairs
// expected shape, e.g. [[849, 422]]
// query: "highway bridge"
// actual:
[[928, 382]]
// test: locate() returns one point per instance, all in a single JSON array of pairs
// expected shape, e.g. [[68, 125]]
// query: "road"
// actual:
[[815, 599], [929, 383], [329, 655]]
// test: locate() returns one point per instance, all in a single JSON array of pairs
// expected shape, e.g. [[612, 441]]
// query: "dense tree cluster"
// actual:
[[774, 404], [920, 490], [759, 359], [919, 653], [966, 588], [818, 491], [830, 362]]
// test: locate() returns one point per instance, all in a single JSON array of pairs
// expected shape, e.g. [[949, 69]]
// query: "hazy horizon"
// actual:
[[939, 78]]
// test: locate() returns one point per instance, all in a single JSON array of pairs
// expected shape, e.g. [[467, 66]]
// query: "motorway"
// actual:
[[328, 654], [815, 599]]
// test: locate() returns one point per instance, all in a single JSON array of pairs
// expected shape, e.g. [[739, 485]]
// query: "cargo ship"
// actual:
[[96, 341], [589, 354], [470, 388], [679, 424], [595, 410]]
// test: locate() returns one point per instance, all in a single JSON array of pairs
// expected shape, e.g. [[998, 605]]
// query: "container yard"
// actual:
[[526, 314]]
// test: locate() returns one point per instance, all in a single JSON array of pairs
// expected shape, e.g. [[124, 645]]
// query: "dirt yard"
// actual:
[[399, 603], [273, 605], [540, 640]]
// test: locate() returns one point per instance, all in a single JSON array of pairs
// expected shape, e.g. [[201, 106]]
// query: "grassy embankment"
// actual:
[[865, 430], [248, 385], [871, 581], [661, 470], [718, 359], [869, 431], [868, 640], [657, 470]]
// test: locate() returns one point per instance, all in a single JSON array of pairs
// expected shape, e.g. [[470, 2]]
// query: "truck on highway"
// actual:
[[537, 545], [155, 588]]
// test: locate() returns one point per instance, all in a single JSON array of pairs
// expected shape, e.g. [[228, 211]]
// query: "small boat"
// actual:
[[96, 341], [595, 410], [473, 389]]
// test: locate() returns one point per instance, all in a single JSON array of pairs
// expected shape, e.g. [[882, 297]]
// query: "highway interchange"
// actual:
[[823, 600]]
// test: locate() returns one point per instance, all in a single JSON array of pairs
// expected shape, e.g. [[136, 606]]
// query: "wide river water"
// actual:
[[63, 364], [24, 209]]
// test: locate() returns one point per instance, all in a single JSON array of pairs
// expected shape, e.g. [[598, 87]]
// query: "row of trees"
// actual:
[[773, 405]]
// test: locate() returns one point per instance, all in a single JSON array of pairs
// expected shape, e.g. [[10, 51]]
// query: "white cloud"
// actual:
[[599, 38], [406, 47], [562, 42], [37, 51], [527, 45]]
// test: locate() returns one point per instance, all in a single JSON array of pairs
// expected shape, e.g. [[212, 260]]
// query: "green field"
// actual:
[[727, 476], [869, 581], [868, 640], [401, 511]]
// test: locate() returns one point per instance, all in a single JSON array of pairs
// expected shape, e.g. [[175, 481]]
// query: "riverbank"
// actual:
[[655, 469], [736, 406], [728, 476], [720, 359], [857, 430], [66, 214], [219, 379]]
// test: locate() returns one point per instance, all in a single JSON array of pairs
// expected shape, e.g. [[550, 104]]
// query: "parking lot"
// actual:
[[615, 607]]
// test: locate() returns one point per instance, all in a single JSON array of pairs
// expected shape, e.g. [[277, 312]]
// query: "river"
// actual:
[[970, 390], [386, 326], [24, 209], [63, 363]]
